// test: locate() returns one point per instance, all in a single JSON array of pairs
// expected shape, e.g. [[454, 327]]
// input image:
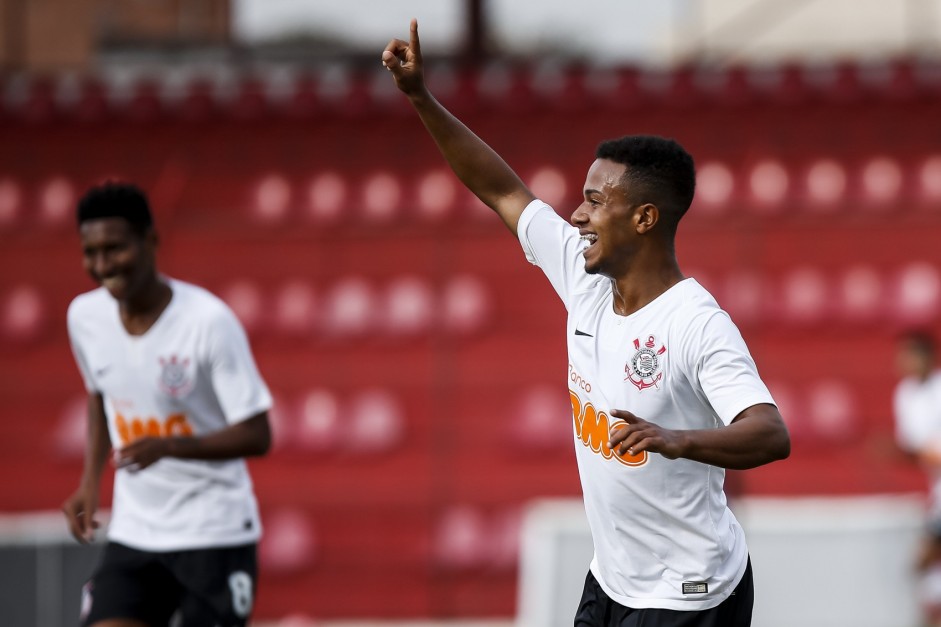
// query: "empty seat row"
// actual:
[[346, 90], [350, 308], [766, 188]]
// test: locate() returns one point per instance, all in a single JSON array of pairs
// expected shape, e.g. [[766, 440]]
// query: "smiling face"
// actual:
[[117, 257], [607, 221]]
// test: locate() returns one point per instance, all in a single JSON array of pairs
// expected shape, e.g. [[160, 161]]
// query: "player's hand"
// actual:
[[141, 453], [79, 510], [404, 60], [640, 435]]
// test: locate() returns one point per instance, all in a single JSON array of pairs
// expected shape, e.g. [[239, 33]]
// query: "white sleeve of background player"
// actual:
[[238, 385], [910, 428], [72, 323], [554, 245], [723, 366]]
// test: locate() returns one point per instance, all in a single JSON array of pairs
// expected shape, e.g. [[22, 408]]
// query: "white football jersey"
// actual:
[[917, 407], [663, 534], [193, 373]]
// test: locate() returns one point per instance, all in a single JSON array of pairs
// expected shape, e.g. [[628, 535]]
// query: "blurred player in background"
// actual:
[[917, 407], [174, 390], [664, 392]]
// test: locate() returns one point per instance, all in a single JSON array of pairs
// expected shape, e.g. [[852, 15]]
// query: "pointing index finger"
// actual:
[[414, 44]]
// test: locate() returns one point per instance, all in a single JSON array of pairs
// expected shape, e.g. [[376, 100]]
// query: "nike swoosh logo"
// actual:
[[577, 332]]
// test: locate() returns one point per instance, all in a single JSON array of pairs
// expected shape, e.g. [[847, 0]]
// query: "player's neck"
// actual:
[[140, 312], [642, 284]]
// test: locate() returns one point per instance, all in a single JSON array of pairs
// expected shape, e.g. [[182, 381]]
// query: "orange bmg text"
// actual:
[[134, 428], [594, 431]]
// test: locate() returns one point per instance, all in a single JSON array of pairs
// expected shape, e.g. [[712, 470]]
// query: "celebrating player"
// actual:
[[671, 397], [173, 389]]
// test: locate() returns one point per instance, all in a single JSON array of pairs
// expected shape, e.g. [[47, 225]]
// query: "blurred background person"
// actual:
[[174, 393], [917, 405]]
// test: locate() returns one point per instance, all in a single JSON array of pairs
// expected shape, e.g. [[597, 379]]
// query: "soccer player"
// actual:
[[173, 389], [917, 407], [665, 395]]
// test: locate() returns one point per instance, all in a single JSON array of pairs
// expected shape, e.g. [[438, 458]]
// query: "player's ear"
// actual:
[[151, 240], [646, 217]]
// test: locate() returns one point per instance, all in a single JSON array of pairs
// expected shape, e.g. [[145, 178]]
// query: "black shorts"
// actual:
[[196, 588], [596, 609]]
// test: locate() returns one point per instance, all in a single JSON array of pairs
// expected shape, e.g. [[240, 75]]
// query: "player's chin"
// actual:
[[118, 287], [592, 268]]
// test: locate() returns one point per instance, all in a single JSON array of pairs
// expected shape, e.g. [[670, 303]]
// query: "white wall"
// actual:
[[818, 562]]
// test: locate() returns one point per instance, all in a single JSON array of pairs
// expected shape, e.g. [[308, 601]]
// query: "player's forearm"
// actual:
[[476, 164], [97, 444], [750, 441], [248, 438]]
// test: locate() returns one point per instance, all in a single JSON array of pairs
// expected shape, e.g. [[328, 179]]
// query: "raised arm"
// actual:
[[481, 169]]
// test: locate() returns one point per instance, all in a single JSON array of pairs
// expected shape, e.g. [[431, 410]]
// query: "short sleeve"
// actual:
[[238, 385], [81, 361], [906, 432], [554, 245], [723, 366]]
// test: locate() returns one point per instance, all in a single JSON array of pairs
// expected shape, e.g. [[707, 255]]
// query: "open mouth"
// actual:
[[113, 283], [590, 239]]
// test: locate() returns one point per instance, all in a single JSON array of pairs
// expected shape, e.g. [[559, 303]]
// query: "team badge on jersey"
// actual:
[[175, 378], [644, 369]]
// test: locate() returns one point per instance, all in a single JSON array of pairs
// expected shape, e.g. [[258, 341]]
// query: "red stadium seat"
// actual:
[[71, 428], [437, 195], [862, 294], [145, 103], [825, 185], [57, 202], [22, 314], [199, 101], [273, 196], [916, 293], [11, 202], [769, 186], [805, 296], [349, 309], [319, 419], [715, 186], [295, 308], [467, 304], [289, 544], [832, 411], [92, 101], [377, 422], [541, 420], [549, 184], [929, 181], [882, 182], [746, 295], [327, 195], [245, 299], [381, 200], [251, 100], [461, 540], [410, 307]]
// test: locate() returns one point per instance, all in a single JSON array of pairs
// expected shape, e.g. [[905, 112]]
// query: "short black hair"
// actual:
[[920, 340], [116, 200], [659, 171]]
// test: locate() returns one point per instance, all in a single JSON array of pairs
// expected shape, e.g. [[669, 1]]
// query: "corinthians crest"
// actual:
[[174, 378], [644, 368]]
